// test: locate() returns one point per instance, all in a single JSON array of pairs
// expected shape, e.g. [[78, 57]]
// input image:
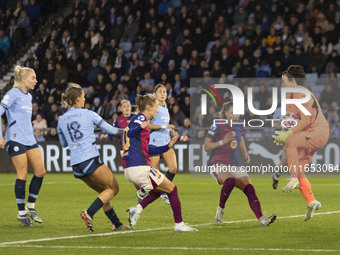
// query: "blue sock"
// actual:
[[111, 214], [34, 189], [20, 186], [170, 175], [278, 174], [96, 205]]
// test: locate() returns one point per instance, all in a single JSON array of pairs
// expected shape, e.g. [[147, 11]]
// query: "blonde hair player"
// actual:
[[138, 170], [160, 131], [21, 144], [76, 130], [223, 141]]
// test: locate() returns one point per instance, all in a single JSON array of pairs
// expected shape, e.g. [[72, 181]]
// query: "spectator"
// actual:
[[178, 116], [52, 135], [60, 74], [316, 58], [5, 44], [184, 131], [24, 22], [39, 135], [40, 123], [130, 31]]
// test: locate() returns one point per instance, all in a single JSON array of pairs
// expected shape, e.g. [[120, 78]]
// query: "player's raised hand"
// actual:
[[2, 143], [228, 137], [170, 126], [144, 124]]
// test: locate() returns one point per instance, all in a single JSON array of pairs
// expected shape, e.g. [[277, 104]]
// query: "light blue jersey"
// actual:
[[160, 137], [76, 127], [18, 107]]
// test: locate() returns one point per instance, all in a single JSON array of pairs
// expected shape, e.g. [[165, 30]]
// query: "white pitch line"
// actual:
[[5, 244], [173, 248]]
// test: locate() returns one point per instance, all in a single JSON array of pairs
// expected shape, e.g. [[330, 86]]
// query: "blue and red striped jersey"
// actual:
[[228, 153]]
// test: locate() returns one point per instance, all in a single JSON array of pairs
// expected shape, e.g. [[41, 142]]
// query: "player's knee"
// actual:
[[22, 176], [41, 173], [173, 169], [110, 193], [115, 191]]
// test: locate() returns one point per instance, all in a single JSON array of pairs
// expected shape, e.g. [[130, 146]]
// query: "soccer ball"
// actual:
[[288, 121]]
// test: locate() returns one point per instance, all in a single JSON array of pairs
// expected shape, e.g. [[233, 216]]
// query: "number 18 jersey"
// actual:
[[77, 126]]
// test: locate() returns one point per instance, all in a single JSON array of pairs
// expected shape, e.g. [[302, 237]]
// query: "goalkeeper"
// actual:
[[302, 141]]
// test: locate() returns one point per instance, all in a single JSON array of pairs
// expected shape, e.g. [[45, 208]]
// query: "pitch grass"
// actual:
[[62, 198]]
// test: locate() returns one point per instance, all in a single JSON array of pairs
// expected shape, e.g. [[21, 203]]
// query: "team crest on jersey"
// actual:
[[233, 144], [14, 135], [213, 127]]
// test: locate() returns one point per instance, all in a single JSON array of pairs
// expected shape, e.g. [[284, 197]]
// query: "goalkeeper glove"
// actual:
[[280, 137]]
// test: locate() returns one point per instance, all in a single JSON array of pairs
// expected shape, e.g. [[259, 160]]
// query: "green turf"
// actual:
[[62, 198]]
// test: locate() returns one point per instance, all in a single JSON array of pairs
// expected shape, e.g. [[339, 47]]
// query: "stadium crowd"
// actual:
[[117, 49]]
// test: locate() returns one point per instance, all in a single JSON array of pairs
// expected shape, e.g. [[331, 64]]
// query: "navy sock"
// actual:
[[111, 214], [96, 205], [20, 186], [34, 189], [170, 175]]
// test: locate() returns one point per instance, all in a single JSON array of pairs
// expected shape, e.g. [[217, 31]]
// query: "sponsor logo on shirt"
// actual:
[[233, 144]]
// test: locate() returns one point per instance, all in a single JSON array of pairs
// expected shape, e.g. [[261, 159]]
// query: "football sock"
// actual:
[[152, 196], [137, 187], [20, 195], [254, 202], [34, 189], [227, 187], [111, 214], [170, 175], [96, 205], [175, 205], [306, 190]]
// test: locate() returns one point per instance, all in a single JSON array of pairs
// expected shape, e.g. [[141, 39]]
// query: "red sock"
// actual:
[[253, 200], [175, 205], [227, 188], [152, 196]]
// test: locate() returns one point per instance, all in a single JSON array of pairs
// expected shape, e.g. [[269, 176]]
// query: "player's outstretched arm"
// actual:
[[106, 127]]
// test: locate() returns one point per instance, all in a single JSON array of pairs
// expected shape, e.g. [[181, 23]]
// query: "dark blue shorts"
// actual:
[[157, 151], [86, 168], [15, 149]]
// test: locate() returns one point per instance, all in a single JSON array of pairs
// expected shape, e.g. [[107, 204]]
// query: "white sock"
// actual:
[[22, 213], [177, 225], [139, 208], [30, 205], [311, 203]]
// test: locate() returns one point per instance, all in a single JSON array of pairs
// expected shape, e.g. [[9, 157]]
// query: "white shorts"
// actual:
[[222, 171], [146, 177]]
